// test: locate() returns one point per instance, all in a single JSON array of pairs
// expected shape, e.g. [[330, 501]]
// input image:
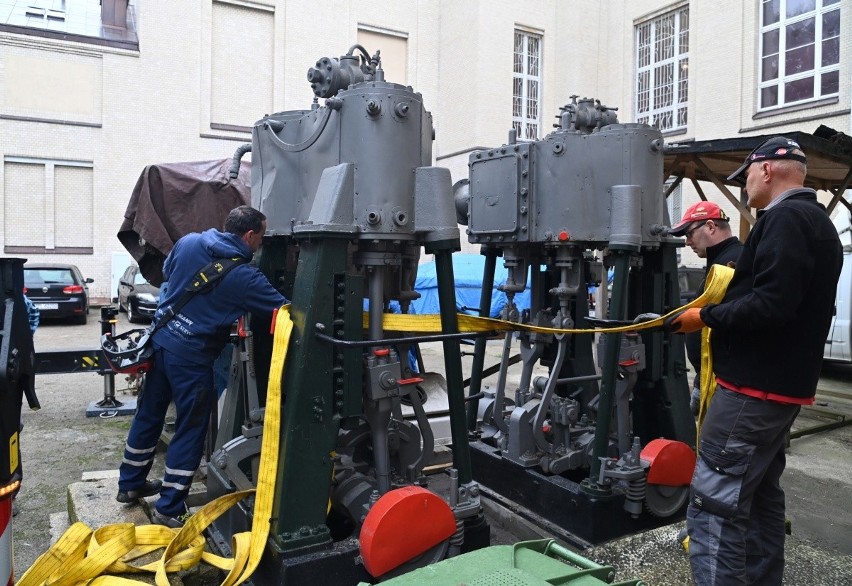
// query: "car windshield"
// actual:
[[33, 277], [139, 279]]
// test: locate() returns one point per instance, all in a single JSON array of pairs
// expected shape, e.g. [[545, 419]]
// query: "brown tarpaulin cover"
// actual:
[[171, 200]]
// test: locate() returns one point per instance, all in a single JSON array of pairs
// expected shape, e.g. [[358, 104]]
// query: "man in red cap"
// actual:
[[708, 233], [768, 337]]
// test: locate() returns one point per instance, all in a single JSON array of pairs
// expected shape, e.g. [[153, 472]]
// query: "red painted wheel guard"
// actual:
[[671, 462], [403, 524]]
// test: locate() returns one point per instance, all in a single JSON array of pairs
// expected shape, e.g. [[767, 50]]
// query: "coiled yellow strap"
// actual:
[[82, 556]]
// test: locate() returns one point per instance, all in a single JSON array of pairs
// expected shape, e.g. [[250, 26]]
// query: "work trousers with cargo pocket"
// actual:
[[191, 388], [735, 517]]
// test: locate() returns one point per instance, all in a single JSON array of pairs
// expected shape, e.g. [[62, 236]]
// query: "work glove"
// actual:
[[684, 322], [643, 317], [695, 400]]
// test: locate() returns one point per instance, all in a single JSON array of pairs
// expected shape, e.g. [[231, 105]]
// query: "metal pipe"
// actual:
[[427, 438], [402, 340], [234, 171], [479, 346], [547, 396], [378, 412], [500, 395], [377, 301], [364, 52]]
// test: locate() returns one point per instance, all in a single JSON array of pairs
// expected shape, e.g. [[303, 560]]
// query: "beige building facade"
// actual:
[[91, 92]]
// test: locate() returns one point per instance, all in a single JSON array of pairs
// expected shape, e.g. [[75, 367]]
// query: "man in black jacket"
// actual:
[[768, 337], [708, 232]]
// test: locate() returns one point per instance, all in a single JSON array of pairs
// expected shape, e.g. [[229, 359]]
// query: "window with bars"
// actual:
[[662, 70], [674, 202], [799, 51], [526, 85]]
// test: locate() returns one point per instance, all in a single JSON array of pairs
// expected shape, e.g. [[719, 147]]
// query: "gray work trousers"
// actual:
[[735, 518]]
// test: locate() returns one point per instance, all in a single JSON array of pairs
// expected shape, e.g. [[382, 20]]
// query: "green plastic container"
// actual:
[[528, 563]]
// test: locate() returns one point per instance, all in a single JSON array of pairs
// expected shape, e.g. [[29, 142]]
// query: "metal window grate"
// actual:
[[526, 85], [662, 71]]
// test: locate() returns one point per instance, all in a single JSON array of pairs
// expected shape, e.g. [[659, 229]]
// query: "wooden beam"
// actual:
[[673, 186], [838, 193], [744, 211], [745, 227], [697, 187]]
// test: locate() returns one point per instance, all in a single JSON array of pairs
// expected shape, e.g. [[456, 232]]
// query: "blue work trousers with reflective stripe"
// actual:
[[191, 388], [735, 517]]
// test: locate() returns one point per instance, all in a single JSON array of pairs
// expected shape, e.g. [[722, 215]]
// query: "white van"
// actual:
[[838, 346]]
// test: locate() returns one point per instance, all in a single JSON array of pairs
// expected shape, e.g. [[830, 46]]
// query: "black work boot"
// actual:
[[150, 488]]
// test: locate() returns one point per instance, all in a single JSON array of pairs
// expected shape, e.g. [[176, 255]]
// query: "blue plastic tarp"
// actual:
[[468, 270]]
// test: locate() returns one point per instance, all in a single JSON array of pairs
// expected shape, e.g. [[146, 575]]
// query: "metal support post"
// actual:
[[617, 306], [109, 406], [452, 358], [491, 255]]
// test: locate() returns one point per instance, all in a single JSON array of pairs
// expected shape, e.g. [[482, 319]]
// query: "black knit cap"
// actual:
[[778, 147]]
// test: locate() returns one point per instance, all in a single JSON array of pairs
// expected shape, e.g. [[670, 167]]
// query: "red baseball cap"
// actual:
[[703, 210]]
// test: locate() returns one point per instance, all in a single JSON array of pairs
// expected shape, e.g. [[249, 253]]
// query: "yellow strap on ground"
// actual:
[[83, 557]]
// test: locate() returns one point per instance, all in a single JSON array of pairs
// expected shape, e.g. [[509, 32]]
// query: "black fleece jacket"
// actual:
[[769, 331], [721, 253]]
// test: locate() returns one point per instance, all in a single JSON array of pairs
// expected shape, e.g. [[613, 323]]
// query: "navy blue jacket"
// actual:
[[201, 328], [769, 331]]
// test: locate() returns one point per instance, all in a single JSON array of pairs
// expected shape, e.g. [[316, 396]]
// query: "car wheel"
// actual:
[[81, 319], [130, 315]]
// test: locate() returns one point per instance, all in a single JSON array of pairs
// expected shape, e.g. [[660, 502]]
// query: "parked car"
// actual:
[[838, 345], [58, 290], [136, 296], [689, 280]]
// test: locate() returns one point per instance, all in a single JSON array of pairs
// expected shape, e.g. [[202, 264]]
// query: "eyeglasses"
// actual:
[[691, 231]]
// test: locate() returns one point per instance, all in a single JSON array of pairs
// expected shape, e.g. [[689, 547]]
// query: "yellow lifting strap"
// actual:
[[714, 290], [83, 556]]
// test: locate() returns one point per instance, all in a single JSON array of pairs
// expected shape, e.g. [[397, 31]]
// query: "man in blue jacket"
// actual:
[[184, 351], [768, 336]]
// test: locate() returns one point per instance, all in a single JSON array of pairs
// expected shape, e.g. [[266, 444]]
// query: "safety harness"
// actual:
[[203, 281]]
